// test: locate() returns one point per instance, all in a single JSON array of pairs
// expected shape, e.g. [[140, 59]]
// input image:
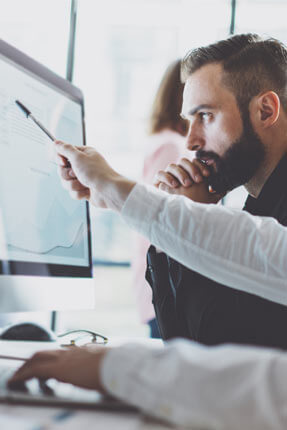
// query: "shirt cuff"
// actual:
[[142, 199], [120, 376]]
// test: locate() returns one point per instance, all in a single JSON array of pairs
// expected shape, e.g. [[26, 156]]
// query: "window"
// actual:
[[120, 58], [264, 17], [38, 28]]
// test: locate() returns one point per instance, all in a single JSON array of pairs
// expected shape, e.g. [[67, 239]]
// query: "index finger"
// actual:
[[37, 366], [195, 169], [65, 150], [37, 370]]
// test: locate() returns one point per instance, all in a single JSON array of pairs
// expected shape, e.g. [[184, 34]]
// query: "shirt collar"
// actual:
[[272, 191]]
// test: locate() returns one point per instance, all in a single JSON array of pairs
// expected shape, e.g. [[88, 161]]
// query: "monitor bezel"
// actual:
[[22, 61]]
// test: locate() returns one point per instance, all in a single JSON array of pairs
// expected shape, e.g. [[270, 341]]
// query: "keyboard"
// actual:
[[54, 393]]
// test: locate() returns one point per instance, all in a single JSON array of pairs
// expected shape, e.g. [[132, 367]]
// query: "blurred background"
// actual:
[[116, 51]]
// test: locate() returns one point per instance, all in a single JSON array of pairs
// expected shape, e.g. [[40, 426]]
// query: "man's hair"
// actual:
[[251, 65]]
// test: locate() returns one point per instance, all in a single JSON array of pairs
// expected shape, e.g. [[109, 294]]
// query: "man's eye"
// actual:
[[204, 116]]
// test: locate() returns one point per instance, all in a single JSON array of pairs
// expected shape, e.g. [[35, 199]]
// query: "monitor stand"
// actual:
[[34, 293]]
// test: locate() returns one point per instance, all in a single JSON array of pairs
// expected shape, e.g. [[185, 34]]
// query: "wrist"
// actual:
[[101, 354], [115, 190]]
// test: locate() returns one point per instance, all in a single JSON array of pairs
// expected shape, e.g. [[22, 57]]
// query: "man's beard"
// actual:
[[240, 162]]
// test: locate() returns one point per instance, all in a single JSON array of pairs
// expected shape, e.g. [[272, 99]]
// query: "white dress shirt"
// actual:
[[231, 246], [226, 387]]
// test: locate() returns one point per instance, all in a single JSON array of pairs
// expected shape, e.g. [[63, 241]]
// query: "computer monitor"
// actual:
[[47, 234]]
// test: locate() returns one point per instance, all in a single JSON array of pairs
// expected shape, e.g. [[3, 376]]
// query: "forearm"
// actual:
[[229, 246], [114, 190], [227, 387]]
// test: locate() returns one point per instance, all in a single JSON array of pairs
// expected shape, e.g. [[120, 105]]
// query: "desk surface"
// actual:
[[25, 348], [36, 418], [30, 417]]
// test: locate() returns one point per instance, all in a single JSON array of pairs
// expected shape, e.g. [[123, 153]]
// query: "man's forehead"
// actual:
[[204, 87], [206, 79], [212, 70]]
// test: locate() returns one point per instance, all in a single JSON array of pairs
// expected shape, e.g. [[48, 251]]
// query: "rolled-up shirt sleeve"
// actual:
[[187, 384], [230, 246]]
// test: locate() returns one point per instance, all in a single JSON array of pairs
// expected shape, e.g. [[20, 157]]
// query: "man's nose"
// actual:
[[194, 140]]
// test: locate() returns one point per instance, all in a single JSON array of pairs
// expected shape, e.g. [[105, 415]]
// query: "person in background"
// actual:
[[165, 144]]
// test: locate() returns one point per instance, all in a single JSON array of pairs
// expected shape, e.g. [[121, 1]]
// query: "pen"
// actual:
[[11, 357], [28, 114], [36, 121]]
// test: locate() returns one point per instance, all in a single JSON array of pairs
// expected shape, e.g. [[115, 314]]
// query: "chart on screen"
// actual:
[[42, 222]]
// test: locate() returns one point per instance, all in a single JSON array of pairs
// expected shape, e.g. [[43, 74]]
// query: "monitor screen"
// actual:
[[47, 233]]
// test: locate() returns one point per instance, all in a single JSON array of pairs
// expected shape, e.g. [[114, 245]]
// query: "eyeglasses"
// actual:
[[82, 338]]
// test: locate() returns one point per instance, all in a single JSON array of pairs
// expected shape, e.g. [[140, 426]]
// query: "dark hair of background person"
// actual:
[[166, 108], [251, 65]]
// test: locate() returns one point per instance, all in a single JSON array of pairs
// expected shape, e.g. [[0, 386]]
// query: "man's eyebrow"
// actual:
[[196, 109]]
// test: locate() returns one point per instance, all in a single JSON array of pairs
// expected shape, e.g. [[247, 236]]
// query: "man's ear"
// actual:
[[268, 108]]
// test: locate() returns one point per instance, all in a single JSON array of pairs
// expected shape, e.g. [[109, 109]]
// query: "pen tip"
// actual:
[[23, 108]]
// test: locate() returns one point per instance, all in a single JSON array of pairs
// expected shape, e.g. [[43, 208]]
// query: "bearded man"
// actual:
[[235, 99]]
